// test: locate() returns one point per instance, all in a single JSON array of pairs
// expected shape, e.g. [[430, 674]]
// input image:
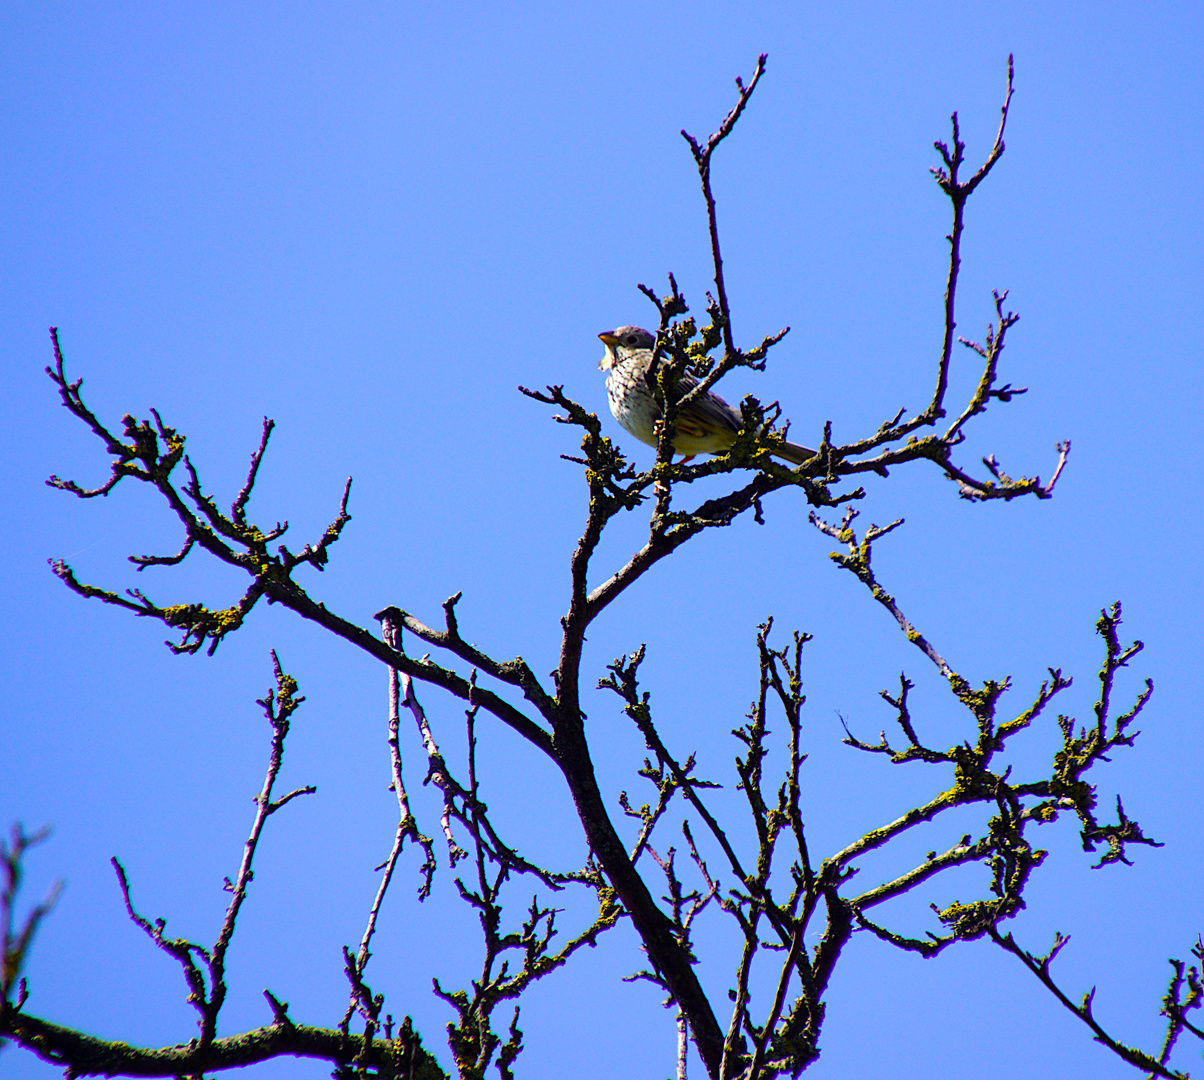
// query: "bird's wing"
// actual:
[[705, 415]]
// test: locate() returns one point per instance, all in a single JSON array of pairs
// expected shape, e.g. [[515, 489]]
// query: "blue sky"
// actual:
[[371, 222]]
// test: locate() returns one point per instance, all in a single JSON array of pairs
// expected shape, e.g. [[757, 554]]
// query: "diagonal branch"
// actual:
[[1039, 966], [516, 672]]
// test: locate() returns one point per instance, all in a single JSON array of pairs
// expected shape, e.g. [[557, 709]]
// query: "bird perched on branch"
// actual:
[[708, 425]]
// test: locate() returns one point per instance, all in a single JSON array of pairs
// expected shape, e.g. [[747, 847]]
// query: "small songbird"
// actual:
[[708, 425]]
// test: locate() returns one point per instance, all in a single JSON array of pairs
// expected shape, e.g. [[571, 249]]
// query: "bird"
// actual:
[[708, 425]]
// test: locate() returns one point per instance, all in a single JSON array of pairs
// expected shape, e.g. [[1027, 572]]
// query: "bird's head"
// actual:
[[626, 339]]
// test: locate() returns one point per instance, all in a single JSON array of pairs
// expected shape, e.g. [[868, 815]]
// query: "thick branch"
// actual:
[[84, 1055]]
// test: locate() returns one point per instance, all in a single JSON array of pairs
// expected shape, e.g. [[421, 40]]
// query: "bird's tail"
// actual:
[[792, 452]]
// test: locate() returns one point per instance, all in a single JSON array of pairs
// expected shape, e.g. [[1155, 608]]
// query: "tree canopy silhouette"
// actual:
[[790, 909]]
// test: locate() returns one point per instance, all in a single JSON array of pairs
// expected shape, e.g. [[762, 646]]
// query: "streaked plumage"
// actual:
[[708, 425]]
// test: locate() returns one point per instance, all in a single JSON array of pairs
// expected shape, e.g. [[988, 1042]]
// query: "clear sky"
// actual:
[[371, 222]]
